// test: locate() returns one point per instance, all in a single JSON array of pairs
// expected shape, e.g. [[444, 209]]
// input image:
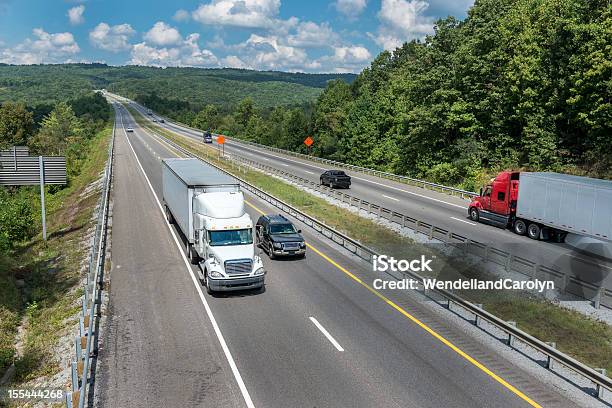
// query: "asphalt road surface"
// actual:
[[586, 259], [317, 336]]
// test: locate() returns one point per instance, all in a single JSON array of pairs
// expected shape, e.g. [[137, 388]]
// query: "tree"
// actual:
[[207, 118], [59, 130], [244, 112], [16, 125], [329, 117]]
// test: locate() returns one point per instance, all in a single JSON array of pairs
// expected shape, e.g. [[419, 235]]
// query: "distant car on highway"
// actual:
[[278, 236], [335, 179], [130, 130], [154, 120], [207, 136], [162, 121]]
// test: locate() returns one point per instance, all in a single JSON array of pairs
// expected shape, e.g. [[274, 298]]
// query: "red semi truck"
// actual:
[[546, 205]]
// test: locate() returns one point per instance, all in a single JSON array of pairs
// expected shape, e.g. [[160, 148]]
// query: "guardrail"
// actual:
[[510, 261], [513, 333], [383, 174], [84, 342]]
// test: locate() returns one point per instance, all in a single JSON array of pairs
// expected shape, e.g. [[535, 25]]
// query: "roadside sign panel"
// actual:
[[19, 169], [25, 170], [308, 141], [15, 151], [221, 139]]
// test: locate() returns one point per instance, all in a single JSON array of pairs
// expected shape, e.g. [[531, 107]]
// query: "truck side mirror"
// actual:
[[299, 231]]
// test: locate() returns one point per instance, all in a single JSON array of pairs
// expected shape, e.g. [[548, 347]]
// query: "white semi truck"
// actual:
[[208, 207]]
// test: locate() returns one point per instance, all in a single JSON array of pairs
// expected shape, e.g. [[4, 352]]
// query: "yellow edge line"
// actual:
[[428, 329]]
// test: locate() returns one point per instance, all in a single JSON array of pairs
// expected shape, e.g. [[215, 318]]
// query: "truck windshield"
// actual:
[[281, 229], [230, 237]]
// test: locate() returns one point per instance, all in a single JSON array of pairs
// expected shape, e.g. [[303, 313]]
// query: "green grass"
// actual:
[[51, 272], [10, 305], [585, 339]]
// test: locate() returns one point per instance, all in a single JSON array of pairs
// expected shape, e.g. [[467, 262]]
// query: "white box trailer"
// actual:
[[579, 205], [208, 207]]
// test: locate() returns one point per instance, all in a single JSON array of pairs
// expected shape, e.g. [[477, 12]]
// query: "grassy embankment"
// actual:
[[586, 339], [49, 274]]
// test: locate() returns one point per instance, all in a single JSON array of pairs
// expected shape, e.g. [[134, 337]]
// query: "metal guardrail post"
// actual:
[[510, 341], [598, 297], [598, 388], [550, 362], [476, 316]]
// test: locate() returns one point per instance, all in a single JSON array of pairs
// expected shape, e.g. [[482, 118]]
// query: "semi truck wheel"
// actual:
[[474, 214], [520, 228], [533, 231]]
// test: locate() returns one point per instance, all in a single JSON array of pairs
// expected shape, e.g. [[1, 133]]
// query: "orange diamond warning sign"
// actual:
[[308, 141]]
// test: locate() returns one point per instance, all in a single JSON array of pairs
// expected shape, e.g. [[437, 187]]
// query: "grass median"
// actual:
[[584, 338]]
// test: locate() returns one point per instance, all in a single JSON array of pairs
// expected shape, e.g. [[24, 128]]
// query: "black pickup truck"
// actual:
[[335, 179]]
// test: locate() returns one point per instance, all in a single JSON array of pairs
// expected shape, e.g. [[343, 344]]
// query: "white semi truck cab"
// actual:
[[208, 207]]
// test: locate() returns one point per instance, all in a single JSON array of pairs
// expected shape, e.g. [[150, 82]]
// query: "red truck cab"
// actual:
[[497, 201]]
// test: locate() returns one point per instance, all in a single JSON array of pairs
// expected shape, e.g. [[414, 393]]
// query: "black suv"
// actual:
[[277, 236], [335, 178]]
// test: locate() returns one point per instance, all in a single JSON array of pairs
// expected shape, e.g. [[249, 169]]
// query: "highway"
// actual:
[[579, 257], [317, 336]]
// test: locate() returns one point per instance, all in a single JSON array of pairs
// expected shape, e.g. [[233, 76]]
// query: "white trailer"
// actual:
[[579, 205], [208, 208]]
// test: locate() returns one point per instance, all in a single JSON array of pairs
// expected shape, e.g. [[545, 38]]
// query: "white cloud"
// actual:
[[309, 34], [238, 13], [354, 53], [401, 21], [266, 53], [181, 16], [162, 34], [114, 39], [185, 53], [75, 15], [350, 8], [346, 58], [45, 48]]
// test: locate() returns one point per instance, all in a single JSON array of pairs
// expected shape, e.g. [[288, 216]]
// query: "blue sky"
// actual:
[[308, 36]]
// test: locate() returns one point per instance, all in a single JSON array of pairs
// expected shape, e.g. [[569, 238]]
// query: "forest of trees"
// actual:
[[65, 129], [522, 84], [34, 84]]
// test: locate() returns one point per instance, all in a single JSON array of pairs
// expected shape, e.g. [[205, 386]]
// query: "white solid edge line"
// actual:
[[390, 198], [326, 334], [459, 219], [213, 321]]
